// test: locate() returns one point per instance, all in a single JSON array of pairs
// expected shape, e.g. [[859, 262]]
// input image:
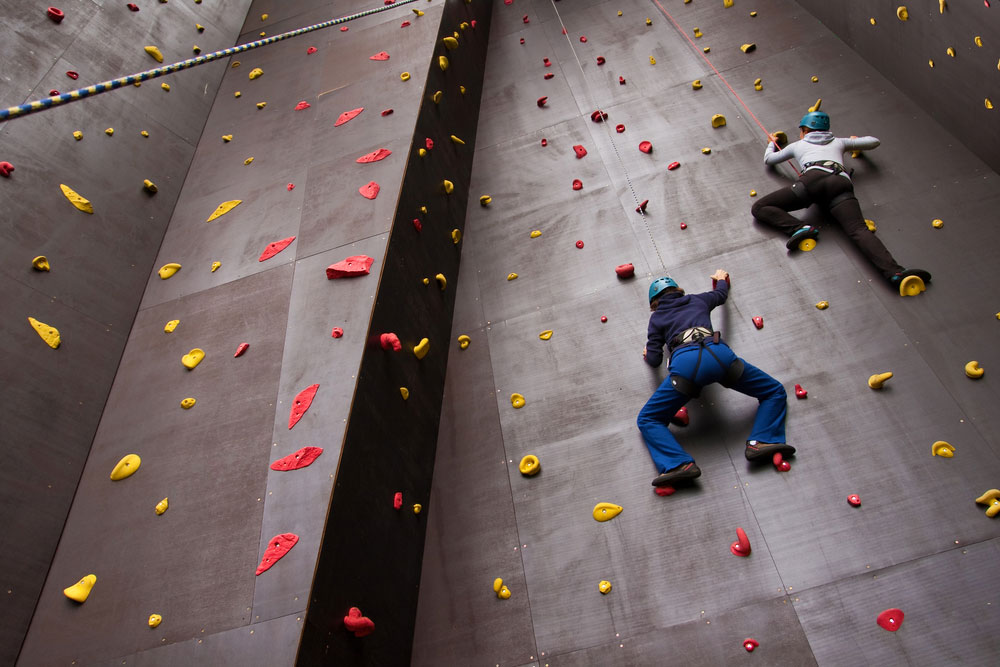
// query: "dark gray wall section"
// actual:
[[51, 400], [954, 91]]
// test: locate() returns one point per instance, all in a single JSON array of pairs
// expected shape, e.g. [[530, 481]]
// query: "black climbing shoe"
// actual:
[[801, 234], [906, 273], [765, 451], [680, 473]]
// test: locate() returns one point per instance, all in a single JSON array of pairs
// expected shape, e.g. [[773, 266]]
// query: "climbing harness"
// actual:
[[701, 336], [828, 166]]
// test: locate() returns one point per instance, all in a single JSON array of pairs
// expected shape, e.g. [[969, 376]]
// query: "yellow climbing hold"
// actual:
[[718, 120], [40, 263], [822, 305], [223, 208], [450, 43], [991, 498], [950, 51], [463, 341], [404, 392], [79, 591], [941, 5], [545, 335], [193, 358], [937, 223], [942, 448], [78, 135], [417, 12], [417, 508], [49, 334], [422, 152], [911, 286], [162, 506], [199, 27], [485, 200], [126, 467], [814, 79], [901, 13], [649, 21], [977, 40], [517, 401], [753, 15], [165, 87], [753, 193], [511, 276], [226, 138], [697, 32], [149, 186], [155, 620], [606, 511], [154, 52], [441, 280], [696, 84], [461, 89], [188, 403], [443, 63], [236, 63], [215, 266], [987, 101], [727, 3], [604, 587], [706, 151], [529, 465], [170, 326], [237, 94], [456, 236], [747, 48], [437, 97], [619, 12], [447, 186], [263, 17], [421, 349], [652, 60], [876, 381], [535, 233], [502, 591], [249, 160], [974, 370], [80, 202], [196, 49], [758, 84], [256, 72], [457, 140], [110, 131], [870, 224], [816, 106], [405, 76], [261, 105], [872, 20], [168, 270]]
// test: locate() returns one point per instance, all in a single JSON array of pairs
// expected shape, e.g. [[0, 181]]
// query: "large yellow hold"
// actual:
[[223, 208], [49, 334], [421, 349], [77, 200], [606, 511], [126, 467], [154, 52], [80, 591]]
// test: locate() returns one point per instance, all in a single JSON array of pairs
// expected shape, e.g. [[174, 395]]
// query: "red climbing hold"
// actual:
[[641, 208], [132, 6], [302, 105], [800, 392], [374, 156], [673, 165], [758, 321], [311, 50], [741, 547], [684, 226], [369, 191], [5, 169], [381, 55], [53, 92], [344, 29], [290, 187], [780, 464], [417, 224], [890, 619], [299, 459], [625, 270], [55, 14], [397, 500], [301, 403], [548, 63], [525, 19], [619, 128], [548, 75], [240, 349], [358, 265], [750, 644], [348, 115], [854, 500], [583, 38], [580, 151], [681, 417], [274, 248], [564, 31], [645, 147], [386, 112], [429, 143], [358, 624], [337, 332], [276, 550], [542, 100], [665, 490], [577, 184], [73, 75], [522, 40], [604, 319], [404, 24], [579, 244], [544, 142], [621, 81], [390, 342], [601, 60], [599, 116]]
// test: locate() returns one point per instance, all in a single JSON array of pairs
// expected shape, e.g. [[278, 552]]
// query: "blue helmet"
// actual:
[[660, 284], [816, 120]]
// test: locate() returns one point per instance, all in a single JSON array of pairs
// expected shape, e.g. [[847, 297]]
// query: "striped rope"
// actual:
[[105, 86]]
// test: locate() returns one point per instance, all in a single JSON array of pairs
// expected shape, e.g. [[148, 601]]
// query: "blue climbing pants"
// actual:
[[768, 425]]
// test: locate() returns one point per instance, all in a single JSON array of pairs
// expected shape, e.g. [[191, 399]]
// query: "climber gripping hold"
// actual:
[[699, 357]]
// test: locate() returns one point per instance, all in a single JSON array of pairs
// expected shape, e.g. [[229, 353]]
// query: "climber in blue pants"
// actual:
[[699, 357]]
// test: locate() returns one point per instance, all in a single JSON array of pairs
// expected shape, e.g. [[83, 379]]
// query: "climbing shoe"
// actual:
[[682, 472], [910, 282], [804, 233], [765, 451]]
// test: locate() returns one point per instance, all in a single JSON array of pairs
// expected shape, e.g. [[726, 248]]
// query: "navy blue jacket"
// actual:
[[677, 312]]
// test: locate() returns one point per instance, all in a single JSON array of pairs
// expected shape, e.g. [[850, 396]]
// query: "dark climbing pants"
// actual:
[[820, 187], [768, 425]]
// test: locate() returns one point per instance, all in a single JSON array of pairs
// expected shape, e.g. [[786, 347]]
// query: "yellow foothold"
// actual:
[[450, 43], [249, 160], [991, 498], [162, 506], [417, 12], [149, 186], [447, 186], [165, 87], [170, 326], [422, 152], [49, 334], [706, 151], [753, 15], [463, 342], [40, 263], [606, 511], [196, 49], [485, 200], [512, 276], [517, 401], [236, 63], [110, 131], [814, 79], [545, 335], [911, 286], [126, 467], [696, 84], [649, 21], [193, 358], [215, 266], [188, 403], [423, 209], [168, 270], [901, 13], [758, 84], [977, 40], [226, 138], [456, 236], [822, 305], [727, 3], [199, 27], [426, 281], [941, 5], [417, 508], [79, 591], [937, 223], [461, 89], [261, 105], [155, 620], [604, 587], [503, 593], [443, 63], [950, 51], [237, 94], [876, 381], [421, 349], [404, 392], [816, 106], [870, 224], [80, 202], [697, 32], [974, 370], [441, 280], [263, 17], [405, 76], [718, 120], [154, 52], [223, 208], [872, 20], [652, 60], [497, 584], [942, 448], [464, 25], [78, 135], [747, 48], [619, 12], [457, 140], [256, 72], [437, 97], [529, 465], [987, 101], [535, 233]]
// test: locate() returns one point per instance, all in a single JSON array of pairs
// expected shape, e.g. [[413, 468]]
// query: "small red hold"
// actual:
[[645, 147], [564, 31], [577, 184], [358, 624], [5, 169], [53, 92], [544, 142], [621, 81], [404, 24], [741, 547], [800, 392], [583, 38], [417, 224], [619, 128], [890, 619], [73, 75], [665, 490], [311, 50], [301, 403], [681, 417], [386, 112], [525, 19], [750, 644], [390, 342], [381, 55], [601, 60], [758, 321], [779, 463], [374, 156], [132, 6], [854, 500], [240, 349], [344, 29], [290, 187], [274, 248], [684, 226], [604, 319], [580, 151], [429, 143], [542, 100], [548, 63], [673, 165], [625, 270], [641, 208], [473, 23], [337, 332], [300, 459], [348, 115], [370, 190], [277, 548], [599, 116], [522, 40], [302, 105], [397, 500], [548, 75], [357, 265], [55, 14], [579, 244]]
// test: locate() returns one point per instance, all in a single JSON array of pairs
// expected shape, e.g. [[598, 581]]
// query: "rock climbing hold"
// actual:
[[81, 203], [456, 236], [815, 79], [822, 305], [188, 403], [708, 151], [502, 591], [604, 318], [256, 72], [417, 508], [73, 75], [193, 358], [162, 506], [741, 547], [337, 332], [301, 403], [170, 326], [649, 21], [977, 40], [447, 186], [274, 248], [625, 270], [456, 140], [126, 467], [577, 184], [78, 135], [241, 350], [579, 244], [876, 381], [369, 190], [347, 115], [397, 500], [215, 266], [941, 5], [974, 370], [604, 587], [696, 84], [870, 224], [673, 165], [583, 38], [485, 200], [463, 341], [223, 208], [277, 548], [606, 511], [750, 644], [891, 619], [47, 333], [747, 48], [727, 3], [405, 76], [943, 449], [390, 342], [381, 55], [601, 60], [529, 465], [110, 131], [621, 81], [718, 120], [154, 52], [55, 14], [645, 147], [758, 321], [950, 51], [681, 417], [991, 498], [758, 85], [167, 270], [421, 349], [800, 392], [248, 161], [542, 100], [652, 60], [360, 625], [196, 49], [580, 151], [302, 105], [404, 392], [80, 591], [545, 335], [535, 233], [154, 620], [779, 463], [443, 63], [937, 223], [300, 459], [619, 128], [911, 286], [441, 281], [599, 116], [854, 500], [517, 401], [40, 263], [697, 32], [901, 13], [683, 226], [987, 102]]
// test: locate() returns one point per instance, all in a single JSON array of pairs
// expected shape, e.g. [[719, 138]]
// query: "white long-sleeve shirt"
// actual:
[[818, 147]]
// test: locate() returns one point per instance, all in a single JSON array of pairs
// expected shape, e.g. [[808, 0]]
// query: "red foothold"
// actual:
[[854, 500], [604, 319], [390, 342], [641, 208], [358, 624], [53, 92], [397, 500], [665, 490], [337, 332], [673, 165], [243, 347], [599, 116], [547, 62], [684, 226], [542, 100], [357, 265], [621, 81], [758, 321], [300, 459], [681, 417], [564, 31], [369, 191], [276, 550], [417, 224], [301, 403], [302, 105], [404, 24], [741, 547], [646, 147], [387, 112], [473, 23], [580, 151], [625, 270], [5, 169], [525, 19], [311, 50], [800, 392], [55, 14], [290, 186], [381, 55], [132, 6], [619, 128], [548, 75], [344, 29], [374, 156], [579, 244], [577, 184], [522, 40], [601, 60], [779, 463], [429, 143], [73, 75], [348, 115], [583, 38], [750, 644], [274, 248], [890, 619]]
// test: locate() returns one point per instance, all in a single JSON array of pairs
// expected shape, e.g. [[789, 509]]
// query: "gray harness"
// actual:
[[689, 387]]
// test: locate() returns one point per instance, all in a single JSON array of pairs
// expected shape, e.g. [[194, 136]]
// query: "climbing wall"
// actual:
[[821, 571]]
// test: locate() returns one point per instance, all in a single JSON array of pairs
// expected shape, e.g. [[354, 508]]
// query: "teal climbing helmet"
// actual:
[[816, 120], [660, 284]]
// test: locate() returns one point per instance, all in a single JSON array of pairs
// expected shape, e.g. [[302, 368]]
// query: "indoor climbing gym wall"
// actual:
[[623, 141]]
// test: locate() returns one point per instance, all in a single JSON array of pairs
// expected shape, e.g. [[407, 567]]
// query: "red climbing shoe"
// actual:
[[764, 451], [682, 472]]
